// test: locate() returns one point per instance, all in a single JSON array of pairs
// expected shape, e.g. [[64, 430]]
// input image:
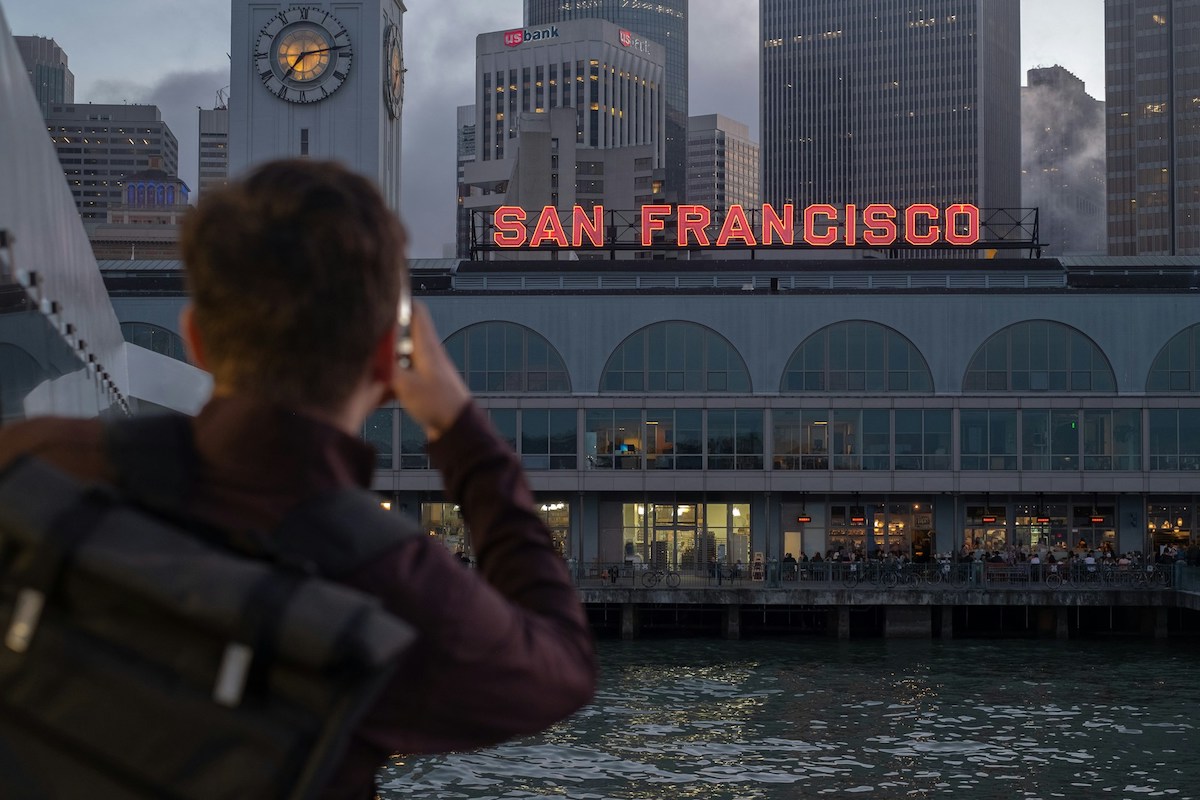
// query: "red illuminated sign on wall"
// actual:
[[819, 225]]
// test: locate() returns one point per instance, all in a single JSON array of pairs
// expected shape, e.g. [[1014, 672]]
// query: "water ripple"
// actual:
[[764, 720]]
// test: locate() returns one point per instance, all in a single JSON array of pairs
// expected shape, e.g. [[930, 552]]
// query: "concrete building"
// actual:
[[1152, 65], [99, 146], [723, 163], [325, 79], [564, 115], [1062, 162], [664, 23], [214, 147], [891, 102], [53, 82]]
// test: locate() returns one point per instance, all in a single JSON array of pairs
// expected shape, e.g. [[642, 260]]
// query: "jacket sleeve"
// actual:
[[504, 650]]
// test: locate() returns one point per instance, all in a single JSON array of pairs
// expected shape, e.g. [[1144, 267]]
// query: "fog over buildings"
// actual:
[[1062, 161]]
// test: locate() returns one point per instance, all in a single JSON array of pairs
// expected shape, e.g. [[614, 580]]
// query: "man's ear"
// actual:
[[191, 337]]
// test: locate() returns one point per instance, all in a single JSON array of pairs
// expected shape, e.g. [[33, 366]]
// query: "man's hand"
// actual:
[[431, 390]]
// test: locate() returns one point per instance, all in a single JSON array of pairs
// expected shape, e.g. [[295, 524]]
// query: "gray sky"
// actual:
[[173, 53]]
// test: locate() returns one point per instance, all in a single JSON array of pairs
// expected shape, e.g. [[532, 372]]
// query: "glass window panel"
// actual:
[[534, 431], [505, 422], [377, 432], [720, 431]]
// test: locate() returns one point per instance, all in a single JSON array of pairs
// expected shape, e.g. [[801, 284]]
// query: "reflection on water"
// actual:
[[787, 719]]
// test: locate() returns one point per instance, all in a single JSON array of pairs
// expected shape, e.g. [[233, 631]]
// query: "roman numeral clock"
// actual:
[[303, 54], [323, 79]]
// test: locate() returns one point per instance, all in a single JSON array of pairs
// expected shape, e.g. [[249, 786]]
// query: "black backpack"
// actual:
[[145, 656]]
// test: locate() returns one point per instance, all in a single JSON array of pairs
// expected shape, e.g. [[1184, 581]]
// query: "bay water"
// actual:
[[879, 719]]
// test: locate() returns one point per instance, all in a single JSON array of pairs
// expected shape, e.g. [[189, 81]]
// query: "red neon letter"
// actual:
[[549, 228], [851, 226], [810, 224], [910, 225], [784, 227], [880, 222], [962, 210], [736, 226], [694, 219], [509, 223], [594, 227], [652, 221]]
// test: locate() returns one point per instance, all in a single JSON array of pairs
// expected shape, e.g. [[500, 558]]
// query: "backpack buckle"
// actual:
[[26, 613]]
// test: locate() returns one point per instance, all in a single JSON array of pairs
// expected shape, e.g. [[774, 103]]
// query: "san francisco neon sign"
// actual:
[[818, 225]]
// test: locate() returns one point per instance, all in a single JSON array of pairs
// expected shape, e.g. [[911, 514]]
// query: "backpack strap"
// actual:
[[335, 533], [332, 534], [155, 460]]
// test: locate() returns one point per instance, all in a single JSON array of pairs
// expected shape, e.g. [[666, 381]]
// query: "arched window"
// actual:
[[156, 338], [506, 357], [856, 356], [675, 357], [1039, 356], [1176, 368]]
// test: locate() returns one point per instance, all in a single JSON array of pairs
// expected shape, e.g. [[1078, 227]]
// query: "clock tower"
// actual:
[[320, 78]]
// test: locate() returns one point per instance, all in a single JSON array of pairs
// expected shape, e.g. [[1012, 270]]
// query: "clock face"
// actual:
[[393, 71], [303, 54]]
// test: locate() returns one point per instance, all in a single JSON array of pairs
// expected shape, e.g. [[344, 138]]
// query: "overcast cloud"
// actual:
[[174, 53]]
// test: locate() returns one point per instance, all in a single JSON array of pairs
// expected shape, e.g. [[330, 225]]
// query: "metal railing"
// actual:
[[1074, 575]]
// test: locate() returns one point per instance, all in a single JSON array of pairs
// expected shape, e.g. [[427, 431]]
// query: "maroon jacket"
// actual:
[[504, 651]]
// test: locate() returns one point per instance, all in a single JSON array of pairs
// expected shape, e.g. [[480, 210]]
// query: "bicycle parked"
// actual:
[[655, 575], [945, 572]]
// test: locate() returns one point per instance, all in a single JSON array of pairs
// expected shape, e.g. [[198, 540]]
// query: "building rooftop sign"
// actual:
[[819, 225]]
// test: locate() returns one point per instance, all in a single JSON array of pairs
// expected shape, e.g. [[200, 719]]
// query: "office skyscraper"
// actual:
[[1152, 66], [465, 154], [1062, 162], [722, 163], [46, 63], [99, 146], [568, 113], [889, 101], [664, 23]]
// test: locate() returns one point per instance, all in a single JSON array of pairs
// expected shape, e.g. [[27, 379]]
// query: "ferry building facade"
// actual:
[[684, 412]]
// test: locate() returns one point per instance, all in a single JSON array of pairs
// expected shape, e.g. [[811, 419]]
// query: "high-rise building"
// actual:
[[465, 154], [1062, 162], [664, 23], [99, 146], [887, 101], [214, 147], [323, 79], [46, 63], [722, 163], [1152, 67], [571, 113]]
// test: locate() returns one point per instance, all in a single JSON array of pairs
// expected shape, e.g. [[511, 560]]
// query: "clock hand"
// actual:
[[306, 53]]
